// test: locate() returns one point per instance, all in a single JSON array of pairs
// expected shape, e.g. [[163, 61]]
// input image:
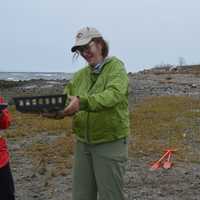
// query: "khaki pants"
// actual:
[[98, 170]]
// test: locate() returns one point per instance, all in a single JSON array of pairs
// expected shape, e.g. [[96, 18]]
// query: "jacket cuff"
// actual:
[[83, 103]]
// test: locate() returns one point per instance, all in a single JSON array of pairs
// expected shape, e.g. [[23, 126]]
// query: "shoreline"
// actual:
[[141, 85], [33, 87]]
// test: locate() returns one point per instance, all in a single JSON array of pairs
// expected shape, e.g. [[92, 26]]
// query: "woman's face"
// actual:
[[92, 53]]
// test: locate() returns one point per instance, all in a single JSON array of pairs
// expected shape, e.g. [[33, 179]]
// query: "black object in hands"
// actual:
[[40, 104], [3, 106]]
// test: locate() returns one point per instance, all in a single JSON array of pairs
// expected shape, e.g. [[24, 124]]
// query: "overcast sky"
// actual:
[[36, 35]]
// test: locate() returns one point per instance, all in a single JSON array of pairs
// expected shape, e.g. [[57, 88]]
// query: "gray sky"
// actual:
[[36, 35]]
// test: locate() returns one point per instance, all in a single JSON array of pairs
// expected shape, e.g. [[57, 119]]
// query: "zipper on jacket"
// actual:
[[87, 121], [90, 88], [87, 129]]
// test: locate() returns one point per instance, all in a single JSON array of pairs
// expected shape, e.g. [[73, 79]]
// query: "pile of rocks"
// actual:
[[144, 85]]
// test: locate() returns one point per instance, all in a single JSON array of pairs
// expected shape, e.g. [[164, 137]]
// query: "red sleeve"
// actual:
[[5, 119]]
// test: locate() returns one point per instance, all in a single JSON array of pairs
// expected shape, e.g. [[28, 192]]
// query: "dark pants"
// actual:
[[7, 189]]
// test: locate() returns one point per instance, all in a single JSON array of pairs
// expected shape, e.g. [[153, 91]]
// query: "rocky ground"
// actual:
[[37, 181], [141, 85], [181, 182], [174, 84]]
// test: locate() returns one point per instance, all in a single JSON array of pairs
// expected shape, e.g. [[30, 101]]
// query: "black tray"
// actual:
[[3, 106], [40, 104]]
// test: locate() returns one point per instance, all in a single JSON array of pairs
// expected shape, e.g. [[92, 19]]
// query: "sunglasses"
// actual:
[[85, 48]]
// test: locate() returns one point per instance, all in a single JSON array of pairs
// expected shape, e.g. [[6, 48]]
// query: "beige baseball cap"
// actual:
[[84, 36]]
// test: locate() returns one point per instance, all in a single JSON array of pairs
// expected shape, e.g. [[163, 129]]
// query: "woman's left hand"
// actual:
[[73, 106]]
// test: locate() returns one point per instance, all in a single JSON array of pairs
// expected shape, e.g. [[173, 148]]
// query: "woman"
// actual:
[[6, 179], [98, 96]]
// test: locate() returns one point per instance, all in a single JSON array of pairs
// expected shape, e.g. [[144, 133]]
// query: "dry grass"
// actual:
[[168, 82], [57, 152], [156, 124], [29, 124], [167, 122]]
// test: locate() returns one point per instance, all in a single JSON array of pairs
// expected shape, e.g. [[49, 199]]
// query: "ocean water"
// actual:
[[16, 76]]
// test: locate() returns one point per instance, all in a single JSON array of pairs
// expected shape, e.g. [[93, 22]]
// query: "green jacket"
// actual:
[[103, 115]]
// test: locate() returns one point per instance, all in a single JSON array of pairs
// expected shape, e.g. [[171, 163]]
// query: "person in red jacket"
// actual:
[[6, 180]]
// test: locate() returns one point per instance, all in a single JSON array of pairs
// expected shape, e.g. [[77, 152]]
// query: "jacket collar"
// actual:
[[98, 68]]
